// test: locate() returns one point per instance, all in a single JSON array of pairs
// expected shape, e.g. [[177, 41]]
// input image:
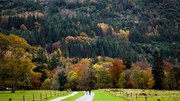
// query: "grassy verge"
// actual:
[[142, 94], [72, 98], [29, 95], [162, 98], [105, 96], [51, 98], [155, 99]]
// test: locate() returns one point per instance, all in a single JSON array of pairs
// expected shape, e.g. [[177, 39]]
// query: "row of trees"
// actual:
[[24, 66], [105, 72]]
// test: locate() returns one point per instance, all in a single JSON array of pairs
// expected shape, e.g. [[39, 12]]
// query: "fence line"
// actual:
[[42, 96], [145, 95]]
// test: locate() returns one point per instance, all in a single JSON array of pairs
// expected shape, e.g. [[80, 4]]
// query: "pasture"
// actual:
[[102, 95], [31, 95], [145, 95]]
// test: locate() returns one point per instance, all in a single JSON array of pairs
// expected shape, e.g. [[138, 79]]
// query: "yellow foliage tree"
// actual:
[[46, 85], [104, 27], [15, 66], [72, 79], [83, 34], [124, 33], [151, 82]]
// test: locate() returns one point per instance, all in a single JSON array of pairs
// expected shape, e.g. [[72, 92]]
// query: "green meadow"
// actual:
[[100, 95], [29, 95], [105, 96], [145, 95]]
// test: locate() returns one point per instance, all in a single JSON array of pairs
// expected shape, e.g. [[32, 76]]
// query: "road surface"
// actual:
[[64, 97], [86, 97]]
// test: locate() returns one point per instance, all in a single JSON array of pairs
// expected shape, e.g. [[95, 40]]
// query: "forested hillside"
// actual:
[[62, 33], [112, 28]]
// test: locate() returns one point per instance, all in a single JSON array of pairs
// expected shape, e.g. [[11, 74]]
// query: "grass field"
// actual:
[[72, 98], [100, 95], [105, 96], [43, 95], [141, 95]]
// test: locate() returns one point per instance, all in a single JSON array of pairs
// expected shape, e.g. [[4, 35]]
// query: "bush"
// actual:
[[46, 85]]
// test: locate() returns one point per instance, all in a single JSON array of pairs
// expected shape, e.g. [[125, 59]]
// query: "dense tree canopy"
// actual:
[[15, 62], [79, 44]]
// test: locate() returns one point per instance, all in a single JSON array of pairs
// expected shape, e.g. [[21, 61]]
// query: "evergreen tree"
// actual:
[[127, 62], [157, 70], [62, 78]]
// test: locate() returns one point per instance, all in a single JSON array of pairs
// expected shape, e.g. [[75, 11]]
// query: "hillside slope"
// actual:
[[88, 28]]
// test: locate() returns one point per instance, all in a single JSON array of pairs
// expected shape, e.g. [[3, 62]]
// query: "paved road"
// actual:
[[86, 97], [64, 97]]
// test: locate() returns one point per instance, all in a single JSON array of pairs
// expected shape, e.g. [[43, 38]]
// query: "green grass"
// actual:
[[28, 94], [161, 97], [72, 98], [155, 99], [105, 96], [152, 95]]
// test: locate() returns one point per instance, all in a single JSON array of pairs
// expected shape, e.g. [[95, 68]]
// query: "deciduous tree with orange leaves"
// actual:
[[115, 70]]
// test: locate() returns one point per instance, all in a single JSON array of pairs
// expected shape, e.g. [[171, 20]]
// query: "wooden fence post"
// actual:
[[24, 98], [41, 96], [136, 96], [46, 96], [33, 98], [145, 99], [126, 95]]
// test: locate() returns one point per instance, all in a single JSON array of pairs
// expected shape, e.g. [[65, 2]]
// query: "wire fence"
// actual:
[[145, 95], [38, 95]]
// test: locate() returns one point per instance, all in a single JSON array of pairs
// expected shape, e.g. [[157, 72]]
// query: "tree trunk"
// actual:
[[13, 90]]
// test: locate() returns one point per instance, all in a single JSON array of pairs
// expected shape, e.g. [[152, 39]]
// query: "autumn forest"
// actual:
[[89, 44]]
